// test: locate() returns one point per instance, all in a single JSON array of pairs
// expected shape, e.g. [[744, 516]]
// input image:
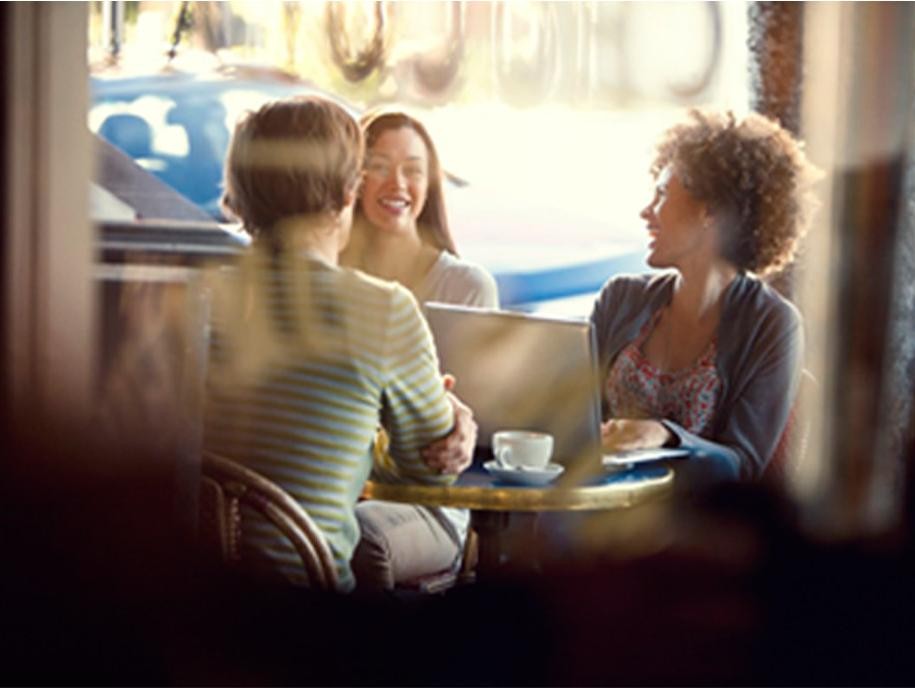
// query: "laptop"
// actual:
[[525, 372]]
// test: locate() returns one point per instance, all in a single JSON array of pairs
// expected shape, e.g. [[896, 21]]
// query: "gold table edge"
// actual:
[[603, 497]]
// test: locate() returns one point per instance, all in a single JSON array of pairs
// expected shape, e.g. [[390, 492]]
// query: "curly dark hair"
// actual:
[[754, 176]]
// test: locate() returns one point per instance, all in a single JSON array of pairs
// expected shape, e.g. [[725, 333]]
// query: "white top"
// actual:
[[454, 280], [460, 282]]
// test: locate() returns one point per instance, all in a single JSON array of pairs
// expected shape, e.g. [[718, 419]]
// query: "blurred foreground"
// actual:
[[104, 585]]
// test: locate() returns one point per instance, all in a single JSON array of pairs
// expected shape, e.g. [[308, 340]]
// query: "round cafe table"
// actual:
[[494, 503]]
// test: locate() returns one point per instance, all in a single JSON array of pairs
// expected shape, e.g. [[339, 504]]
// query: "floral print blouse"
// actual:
[[637, 389]]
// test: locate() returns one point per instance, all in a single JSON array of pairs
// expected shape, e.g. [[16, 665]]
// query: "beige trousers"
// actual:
[[400, 542]]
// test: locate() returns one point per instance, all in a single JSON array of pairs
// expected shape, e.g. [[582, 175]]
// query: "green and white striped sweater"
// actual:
[[308, 360]]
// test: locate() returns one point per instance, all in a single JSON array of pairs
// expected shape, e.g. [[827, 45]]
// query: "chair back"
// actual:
[[226, 485], [792, 445]]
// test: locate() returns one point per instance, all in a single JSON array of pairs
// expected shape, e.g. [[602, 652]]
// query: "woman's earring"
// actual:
[[707, 222]]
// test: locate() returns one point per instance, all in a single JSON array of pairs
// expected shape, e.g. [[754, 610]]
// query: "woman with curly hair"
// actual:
[[705, 355]]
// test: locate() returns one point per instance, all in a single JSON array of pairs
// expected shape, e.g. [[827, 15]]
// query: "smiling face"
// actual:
[[678, 225], [396, 180]]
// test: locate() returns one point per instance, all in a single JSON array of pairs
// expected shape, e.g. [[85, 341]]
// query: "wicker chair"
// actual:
[[791, 450], [225, 486]]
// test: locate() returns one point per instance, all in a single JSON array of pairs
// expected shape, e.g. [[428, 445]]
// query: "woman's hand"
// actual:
[[454, 452], [621, 434]]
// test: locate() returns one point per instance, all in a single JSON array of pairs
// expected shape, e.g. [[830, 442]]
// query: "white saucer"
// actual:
[[524, 476]]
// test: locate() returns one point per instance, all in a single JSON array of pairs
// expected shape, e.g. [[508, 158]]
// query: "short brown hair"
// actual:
[[432, 222], [753, 173], [298, 156]]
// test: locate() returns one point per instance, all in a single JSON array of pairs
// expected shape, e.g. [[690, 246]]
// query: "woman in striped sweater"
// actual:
[[308, 356]]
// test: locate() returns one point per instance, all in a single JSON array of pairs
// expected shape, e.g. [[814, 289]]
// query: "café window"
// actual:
[[544, 114]]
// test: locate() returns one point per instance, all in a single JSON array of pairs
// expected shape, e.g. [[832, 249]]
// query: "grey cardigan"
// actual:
[[760, 344]]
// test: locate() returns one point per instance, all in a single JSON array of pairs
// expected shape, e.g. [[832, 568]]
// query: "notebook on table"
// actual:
[[525, 372]]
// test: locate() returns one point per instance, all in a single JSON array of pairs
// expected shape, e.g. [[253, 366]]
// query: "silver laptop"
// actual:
[[528, 372]]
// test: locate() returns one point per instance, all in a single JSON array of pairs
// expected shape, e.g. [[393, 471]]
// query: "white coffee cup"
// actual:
[[522, 448]]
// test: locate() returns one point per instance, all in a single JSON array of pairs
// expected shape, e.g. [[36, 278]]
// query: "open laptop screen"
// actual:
[[527, 372]]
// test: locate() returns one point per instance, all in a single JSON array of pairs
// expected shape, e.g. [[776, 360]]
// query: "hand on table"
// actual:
[[621, 434], [454, 452]]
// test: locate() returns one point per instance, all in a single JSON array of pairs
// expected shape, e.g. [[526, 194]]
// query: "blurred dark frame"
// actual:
[[152, 354]]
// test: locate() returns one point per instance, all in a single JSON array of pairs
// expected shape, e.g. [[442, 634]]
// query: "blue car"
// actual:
[[177, 125]]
